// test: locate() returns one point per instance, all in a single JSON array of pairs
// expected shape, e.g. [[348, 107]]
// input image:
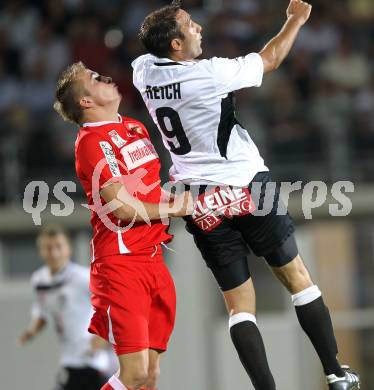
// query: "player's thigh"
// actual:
[[233, 275], [267, 231], [154, 359], [163, 309], [134, 363], [122, 303], [224, 251], [154, 365], [272, 235]]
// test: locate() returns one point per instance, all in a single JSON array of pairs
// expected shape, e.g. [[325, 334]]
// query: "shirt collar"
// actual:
[[61, 273], [96, 124], [167, 61]]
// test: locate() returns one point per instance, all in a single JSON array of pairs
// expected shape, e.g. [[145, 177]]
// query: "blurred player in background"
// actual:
[[192, 104], [63, 296], [133, 293]]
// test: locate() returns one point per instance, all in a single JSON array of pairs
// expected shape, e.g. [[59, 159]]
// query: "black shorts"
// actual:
[[86, 378], [226, 247]]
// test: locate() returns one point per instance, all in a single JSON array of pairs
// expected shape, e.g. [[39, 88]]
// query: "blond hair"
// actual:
[[68, 93]]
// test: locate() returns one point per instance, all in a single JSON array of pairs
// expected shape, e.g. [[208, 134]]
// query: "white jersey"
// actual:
[[64, 299], [192, 106]]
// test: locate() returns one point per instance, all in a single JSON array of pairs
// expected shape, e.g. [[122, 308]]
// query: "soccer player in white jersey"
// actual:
[[62, 296], [191, 102]]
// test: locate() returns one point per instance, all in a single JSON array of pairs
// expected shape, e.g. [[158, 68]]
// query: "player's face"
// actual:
[[100, 89], [191, 44], [54, 250]]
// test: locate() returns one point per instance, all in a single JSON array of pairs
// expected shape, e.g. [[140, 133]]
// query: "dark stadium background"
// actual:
[[313, 119]]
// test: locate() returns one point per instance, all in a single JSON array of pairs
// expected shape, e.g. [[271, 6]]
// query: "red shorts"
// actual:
[[134, 301]]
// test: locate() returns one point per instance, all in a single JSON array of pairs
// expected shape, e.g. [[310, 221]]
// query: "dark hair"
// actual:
[[160, 28]]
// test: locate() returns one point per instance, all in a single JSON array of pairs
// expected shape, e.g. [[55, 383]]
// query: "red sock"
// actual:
[[114, 384], [107, 386]]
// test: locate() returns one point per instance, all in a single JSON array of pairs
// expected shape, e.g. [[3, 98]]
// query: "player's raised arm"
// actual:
[[126, 207], [277, 49]]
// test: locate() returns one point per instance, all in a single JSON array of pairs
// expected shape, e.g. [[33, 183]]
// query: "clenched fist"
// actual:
[[182, 205], [299, 10]]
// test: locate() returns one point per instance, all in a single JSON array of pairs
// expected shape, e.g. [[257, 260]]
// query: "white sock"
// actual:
[[306, 296], [241, 317], [333, 378]]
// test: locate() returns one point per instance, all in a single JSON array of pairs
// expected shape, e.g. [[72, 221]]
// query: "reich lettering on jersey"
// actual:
[[172, 91], [117, 139], [138, 153], [226, 201], [110, 158]]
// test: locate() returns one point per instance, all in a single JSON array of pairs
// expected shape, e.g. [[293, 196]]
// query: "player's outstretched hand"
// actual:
[[299, 10], [182, 204], [24, 338]]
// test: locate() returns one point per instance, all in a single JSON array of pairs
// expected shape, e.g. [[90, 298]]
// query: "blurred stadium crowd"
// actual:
[[313, 118]]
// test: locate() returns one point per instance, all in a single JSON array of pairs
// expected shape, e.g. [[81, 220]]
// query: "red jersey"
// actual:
[[107, 152]]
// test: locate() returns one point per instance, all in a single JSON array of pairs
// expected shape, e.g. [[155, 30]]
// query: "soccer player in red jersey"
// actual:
[[133, 293]]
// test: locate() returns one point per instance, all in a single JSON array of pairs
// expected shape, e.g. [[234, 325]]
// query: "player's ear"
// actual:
[[176, 44], [86, 102]]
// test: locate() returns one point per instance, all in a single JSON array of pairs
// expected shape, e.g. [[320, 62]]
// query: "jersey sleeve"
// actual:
[[38, 309], [97, 160], [234, 74]]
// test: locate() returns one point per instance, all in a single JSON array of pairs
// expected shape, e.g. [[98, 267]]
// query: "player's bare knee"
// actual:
[[244, 307], [153, 376], [300, 276], [140, 379], [294, 275], [136, 378], [134, 374], [241, 299]]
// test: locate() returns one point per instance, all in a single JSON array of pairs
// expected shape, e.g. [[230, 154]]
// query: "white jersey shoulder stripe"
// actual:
[[111, 159]]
